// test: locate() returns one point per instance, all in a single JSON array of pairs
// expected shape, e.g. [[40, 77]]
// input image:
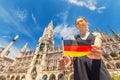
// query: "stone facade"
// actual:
[[43, 61]]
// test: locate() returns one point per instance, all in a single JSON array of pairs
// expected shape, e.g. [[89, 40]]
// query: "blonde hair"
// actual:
[[82, 18]]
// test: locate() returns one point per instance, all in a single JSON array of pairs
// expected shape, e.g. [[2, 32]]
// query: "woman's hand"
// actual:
[[65, 62], [96, 51]]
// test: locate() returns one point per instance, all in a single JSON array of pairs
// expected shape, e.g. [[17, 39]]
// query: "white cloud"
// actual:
[[6, 37], [21, 14], [34, 19], [65, 31], [10, 18], [90, 4], [64, 16], [100, 9], [14, 51]]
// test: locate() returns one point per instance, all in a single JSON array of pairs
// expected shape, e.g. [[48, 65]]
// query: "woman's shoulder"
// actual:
[[77, 36], [96, 34]]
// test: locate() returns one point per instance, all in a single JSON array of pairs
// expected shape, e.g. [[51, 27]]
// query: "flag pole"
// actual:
[[64, 72], [62, 46]]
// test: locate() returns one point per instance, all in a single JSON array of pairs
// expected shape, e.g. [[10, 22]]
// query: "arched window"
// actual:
[[108, 66], [34, 73], [108, 50], [118, 65]]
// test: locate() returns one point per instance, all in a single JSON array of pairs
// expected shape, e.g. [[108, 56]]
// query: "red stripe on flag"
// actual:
[[77, 48]]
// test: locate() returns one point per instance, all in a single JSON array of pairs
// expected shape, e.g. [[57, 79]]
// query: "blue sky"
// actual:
[[28, 18]]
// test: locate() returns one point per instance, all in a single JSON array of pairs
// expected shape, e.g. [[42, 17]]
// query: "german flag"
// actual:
[[75, 48]]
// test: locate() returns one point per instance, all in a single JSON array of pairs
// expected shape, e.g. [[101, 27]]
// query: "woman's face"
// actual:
[[82, 25]]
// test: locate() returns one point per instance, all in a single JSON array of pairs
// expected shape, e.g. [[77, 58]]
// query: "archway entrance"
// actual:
[[44, 77], [71, 77], [23, 77], [17, 78], [60, 77], [12, 78], [52, 77]]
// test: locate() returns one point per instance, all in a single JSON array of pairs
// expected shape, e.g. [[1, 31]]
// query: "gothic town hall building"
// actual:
[[43, 61]]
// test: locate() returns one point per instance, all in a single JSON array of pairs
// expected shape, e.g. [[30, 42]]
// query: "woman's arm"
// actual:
[[96, 51], [97, 48]]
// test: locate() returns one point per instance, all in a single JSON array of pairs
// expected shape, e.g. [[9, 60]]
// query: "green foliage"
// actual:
[[115, 76], [3, 78]]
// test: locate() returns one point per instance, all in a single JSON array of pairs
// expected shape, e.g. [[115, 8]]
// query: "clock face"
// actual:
[[107, 50], [115, 48]]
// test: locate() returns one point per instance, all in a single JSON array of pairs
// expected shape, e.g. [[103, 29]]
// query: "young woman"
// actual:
[[90, 66]]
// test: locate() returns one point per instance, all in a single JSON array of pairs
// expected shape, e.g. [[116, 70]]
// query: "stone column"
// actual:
[[5, 51]]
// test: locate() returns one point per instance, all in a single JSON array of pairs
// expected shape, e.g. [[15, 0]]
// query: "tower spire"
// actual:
[[50, 25], [102, 34], [110, 36], [115, 34], [23, 50]]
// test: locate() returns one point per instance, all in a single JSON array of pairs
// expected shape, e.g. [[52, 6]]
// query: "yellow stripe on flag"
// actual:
[[75, 54]]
